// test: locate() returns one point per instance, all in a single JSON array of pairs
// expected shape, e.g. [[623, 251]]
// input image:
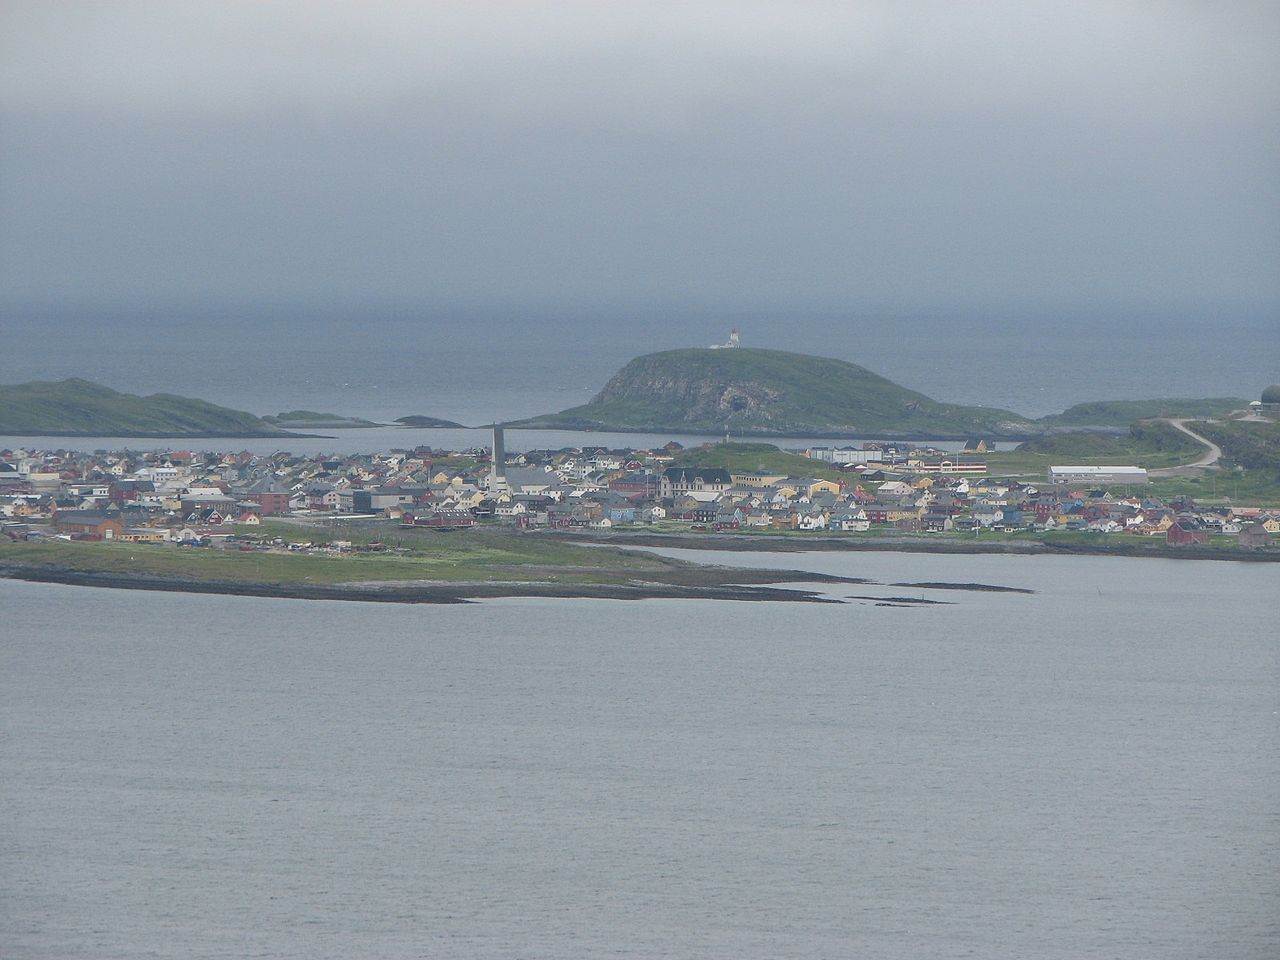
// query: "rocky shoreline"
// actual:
[[446, 591], [701, 582], [780, 544]]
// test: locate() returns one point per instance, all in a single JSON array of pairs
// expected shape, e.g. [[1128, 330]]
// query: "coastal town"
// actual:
[[874, 489]]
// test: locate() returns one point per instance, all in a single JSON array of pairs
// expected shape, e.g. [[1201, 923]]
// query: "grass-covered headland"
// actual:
[[406, 566], [79, 408]]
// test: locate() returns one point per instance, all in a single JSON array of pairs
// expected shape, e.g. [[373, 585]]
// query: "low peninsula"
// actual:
[[286, 561], [80, 408]]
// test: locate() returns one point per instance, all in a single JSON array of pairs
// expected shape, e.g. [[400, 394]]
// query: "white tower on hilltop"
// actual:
[[733, 343]]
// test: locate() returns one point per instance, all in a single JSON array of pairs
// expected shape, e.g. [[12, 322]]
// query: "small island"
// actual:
[[429, 423], [310, 419]]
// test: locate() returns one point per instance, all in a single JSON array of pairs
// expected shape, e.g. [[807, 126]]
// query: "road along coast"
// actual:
[[933, 543]]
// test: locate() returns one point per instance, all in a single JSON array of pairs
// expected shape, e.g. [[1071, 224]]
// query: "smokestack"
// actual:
[[499, 472]]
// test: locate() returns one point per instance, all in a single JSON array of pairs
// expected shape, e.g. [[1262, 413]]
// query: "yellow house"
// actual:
[[823, 486], [1271, 525], [144, 535], [444, 478], [904, 514], [471, 500], [756, 481]]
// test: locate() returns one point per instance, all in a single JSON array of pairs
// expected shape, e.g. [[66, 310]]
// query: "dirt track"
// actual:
[[1211, 457]]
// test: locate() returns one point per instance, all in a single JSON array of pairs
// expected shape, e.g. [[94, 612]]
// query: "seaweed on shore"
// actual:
[[979, 587]]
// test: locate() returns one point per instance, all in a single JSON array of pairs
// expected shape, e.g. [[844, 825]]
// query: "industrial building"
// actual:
[[844, 455], [1098, 475]]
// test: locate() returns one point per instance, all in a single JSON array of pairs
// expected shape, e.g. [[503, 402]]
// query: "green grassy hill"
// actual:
[[763, 392], [78, 408], [1121, 413], [1250, 470], [1148, 444], [1251, 444], [1148, 440], [755, 458]]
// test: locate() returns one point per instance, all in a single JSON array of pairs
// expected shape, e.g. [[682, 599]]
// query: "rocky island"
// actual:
[[752, 392]]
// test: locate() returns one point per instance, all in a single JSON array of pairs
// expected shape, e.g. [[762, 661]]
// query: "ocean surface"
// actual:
[[383, 439], [473, 366], [1089, 771]]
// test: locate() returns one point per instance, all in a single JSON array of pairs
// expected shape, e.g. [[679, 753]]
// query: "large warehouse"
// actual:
[[1100, 475]]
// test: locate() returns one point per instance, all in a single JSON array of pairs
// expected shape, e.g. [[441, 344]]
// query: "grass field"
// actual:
[[1215, 488], [756, 458], [1121, 413], [1150, 445], [476, 555]]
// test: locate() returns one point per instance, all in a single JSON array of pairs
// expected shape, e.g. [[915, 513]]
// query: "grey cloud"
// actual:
[[812, 154]]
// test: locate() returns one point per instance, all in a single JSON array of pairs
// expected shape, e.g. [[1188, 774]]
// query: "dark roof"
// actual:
[[85, 516], [695, 474]]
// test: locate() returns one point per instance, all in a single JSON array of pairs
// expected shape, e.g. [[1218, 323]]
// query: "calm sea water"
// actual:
[[383, 439], [473, 367], [1090, 771]]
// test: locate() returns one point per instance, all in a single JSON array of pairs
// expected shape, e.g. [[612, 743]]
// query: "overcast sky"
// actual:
[[821, 156]]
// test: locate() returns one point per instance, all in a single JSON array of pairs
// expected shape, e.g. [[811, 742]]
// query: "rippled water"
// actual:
[[1089, 771]]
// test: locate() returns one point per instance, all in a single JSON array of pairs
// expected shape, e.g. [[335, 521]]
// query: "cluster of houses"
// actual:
[[191, 497]]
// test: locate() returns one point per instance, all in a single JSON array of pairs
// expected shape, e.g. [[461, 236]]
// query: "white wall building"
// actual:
[[1101, 475], [844, 455]]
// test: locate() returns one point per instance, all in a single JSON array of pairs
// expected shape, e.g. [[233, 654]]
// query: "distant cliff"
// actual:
[[78, 408], [764, 392]]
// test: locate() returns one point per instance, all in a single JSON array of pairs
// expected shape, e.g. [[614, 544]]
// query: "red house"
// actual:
[[271, 503], [1181, 534]]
